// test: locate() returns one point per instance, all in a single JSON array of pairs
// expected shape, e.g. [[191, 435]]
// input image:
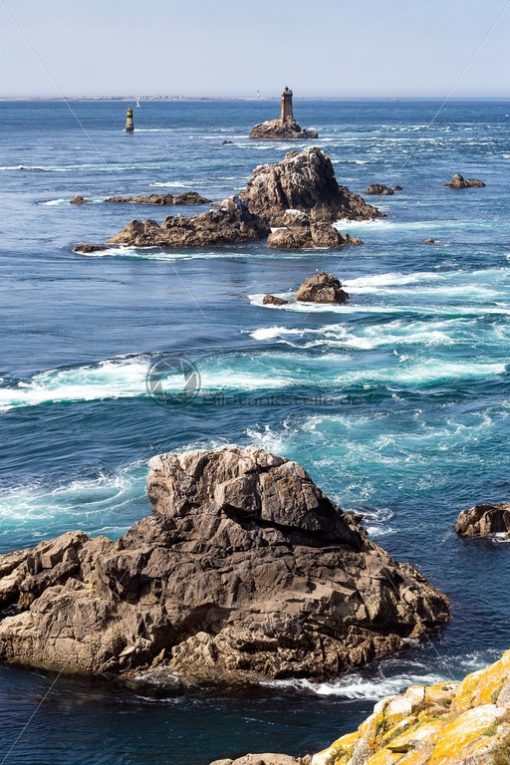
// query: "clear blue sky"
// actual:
[[236, 47]]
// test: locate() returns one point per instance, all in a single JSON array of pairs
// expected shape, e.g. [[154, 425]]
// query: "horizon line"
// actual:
[[47, 98]]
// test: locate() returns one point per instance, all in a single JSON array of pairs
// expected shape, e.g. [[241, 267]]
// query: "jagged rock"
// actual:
[[86, 248], [274, 300], [276, 130], [381, 189], [244, 570], [449, 723], [188, 198], [231, 223], [322, 288], [303, 181], [79, 200], [484, 520], [459, 182]]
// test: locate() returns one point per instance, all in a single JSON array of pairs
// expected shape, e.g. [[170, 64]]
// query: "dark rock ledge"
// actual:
[[244, 570]]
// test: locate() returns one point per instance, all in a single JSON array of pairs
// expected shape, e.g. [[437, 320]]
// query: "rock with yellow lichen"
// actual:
[[465, 723]]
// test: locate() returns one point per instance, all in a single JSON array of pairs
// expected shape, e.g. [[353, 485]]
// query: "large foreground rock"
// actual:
[[465, 723], [484, 520], [244, 570], [231, 223], [303, 181]]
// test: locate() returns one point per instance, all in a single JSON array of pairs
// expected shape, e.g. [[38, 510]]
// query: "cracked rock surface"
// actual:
[[244, 570]]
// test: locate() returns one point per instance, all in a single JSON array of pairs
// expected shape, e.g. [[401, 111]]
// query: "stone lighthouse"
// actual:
[[283, 129], [286, 112], [130, 123]]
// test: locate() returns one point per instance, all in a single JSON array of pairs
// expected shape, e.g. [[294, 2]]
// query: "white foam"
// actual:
[[54, 202], [355, 686], [125, 377], [172, 184], [87, 497]]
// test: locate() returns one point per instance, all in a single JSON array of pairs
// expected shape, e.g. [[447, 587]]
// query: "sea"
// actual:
[[397, 404]]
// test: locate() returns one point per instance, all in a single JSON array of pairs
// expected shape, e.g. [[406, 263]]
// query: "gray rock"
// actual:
[[303, 181], [244, 570]]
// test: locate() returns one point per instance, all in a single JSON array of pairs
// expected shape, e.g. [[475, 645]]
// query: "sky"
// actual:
[[222, 48]]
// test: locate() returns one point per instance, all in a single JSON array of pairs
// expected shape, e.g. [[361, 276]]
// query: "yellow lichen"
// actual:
[[479, 687]]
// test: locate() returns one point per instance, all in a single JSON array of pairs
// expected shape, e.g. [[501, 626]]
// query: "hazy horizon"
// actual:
[[338, 49]]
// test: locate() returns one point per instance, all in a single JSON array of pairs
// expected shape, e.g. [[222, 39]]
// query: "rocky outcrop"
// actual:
[[297, 230], [484, 520], [79, 200], [303, 181], [299, 197], [465, 723], [244, 570], [85, 249], [274, 300], [459, 182], [380, 189], [231, 223], [188, 198], [322, 288], [276, 130]]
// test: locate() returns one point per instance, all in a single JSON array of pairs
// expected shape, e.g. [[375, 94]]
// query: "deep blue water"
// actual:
[[397, 405]]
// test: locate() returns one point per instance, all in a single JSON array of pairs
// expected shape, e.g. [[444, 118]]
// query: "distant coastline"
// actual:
[[121, 99]]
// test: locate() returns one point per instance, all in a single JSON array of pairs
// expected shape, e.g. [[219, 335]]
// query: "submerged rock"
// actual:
[[322, 288], [244, 570], [231, 223], [459, 182], [449, 723], [484, 520], [274, 300], [187, 198], [86, 248], [430, 241], [303, 181], [381, 189]]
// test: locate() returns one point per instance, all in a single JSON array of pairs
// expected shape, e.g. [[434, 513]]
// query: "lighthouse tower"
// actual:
[[130, 123], [287, 113]]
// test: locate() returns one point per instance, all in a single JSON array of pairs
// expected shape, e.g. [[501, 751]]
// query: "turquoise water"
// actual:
[[397, 404]]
